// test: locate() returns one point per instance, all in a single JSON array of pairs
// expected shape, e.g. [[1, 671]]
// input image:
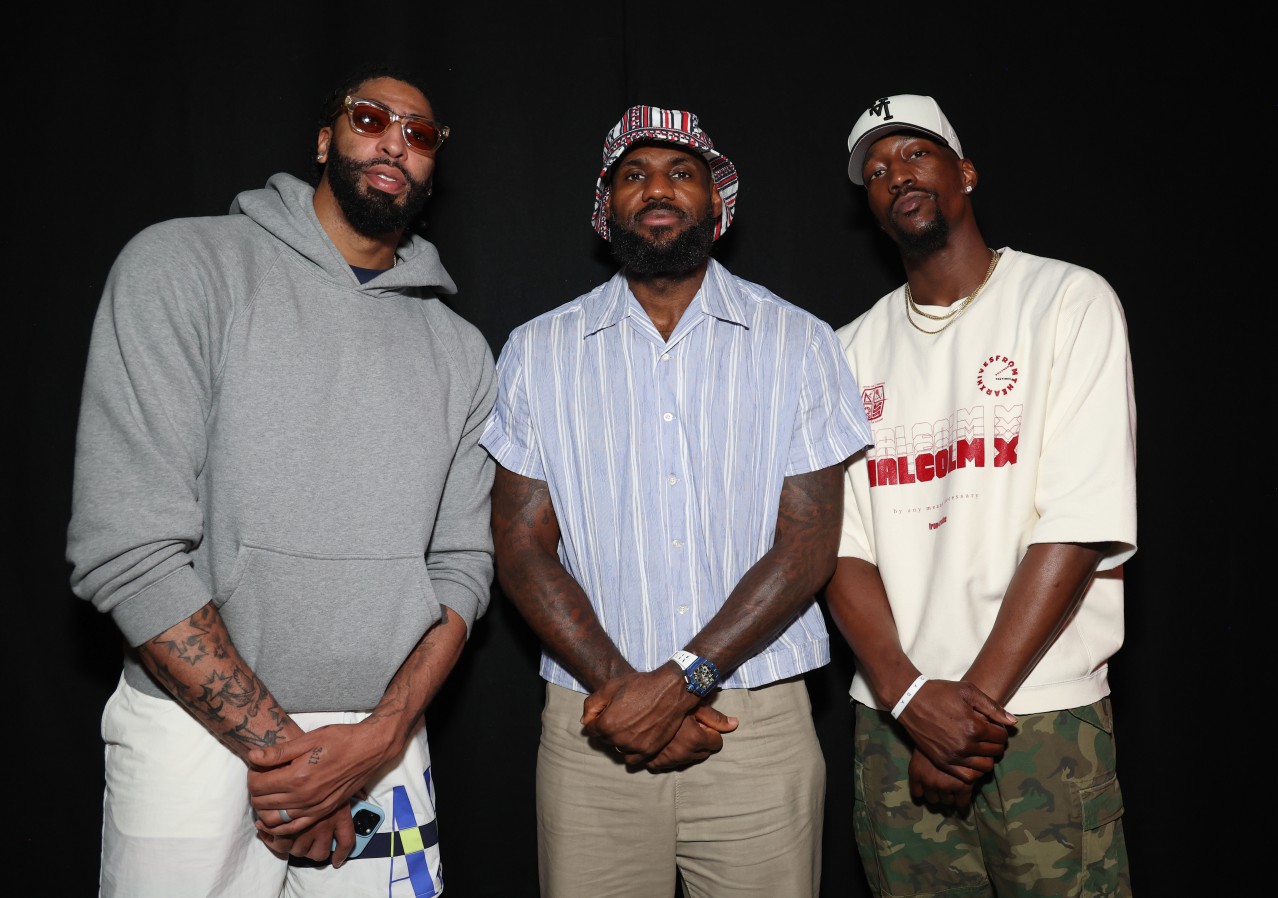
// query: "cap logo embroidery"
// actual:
[[883, 108]]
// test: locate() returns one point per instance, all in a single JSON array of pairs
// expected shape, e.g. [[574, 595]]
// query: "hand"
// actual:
[[698, 737], [638, 713], [936, 788], [312, 776], [316, 841], [961, 729]]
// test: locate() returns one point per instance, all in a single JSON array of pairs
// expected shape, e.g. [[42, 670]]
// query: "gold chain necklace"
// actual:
[[912, 308]]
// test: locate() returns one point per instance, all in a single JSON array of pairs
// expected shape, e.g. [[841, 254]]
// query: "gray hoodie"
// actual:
[[260, 430]]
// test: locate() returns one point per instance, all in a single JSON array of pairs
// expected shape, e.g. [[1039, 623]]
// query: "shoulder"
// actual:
[[1050, 278], [760, 304], [572, 314], [876, 316], [196, 246], [457, 334]]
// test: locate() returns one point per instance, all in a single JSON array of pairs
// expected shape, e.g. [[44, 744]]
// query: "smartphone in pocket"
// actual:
[[367, 818]]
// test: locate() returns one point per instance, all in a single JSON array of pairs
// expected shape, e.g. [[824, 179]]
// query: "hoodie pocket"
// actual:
[[326, 632]]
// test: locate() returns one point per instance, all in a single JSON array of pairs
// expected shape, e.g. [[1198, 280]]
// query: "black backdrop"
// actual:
[[1142, 148]]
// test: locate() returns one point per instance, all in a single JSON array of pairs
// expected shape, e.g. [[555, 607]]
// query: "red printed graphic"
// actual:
[[872, 399], [997, 376]]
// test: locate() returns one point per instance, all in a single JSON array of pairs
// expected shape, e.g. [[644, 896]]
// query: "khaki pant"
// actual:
[[747, 821]]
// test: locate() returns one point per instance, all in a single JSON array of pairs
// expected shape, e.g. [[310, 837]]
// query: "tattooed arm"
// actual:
[[526, 539], [526, 534], [765, 601], [196, 661], [315, 774]]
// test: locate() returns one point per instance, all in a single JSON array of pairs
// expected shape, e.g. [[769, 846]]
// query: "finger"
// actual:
[[279, 753], [714, 719], [992, 709]]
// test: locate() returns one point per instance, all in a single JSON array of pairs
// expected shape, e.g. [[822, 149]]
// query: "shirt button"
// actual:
[[678, 543], [667, 417], [683, 609], [672, 480], [665, 357]]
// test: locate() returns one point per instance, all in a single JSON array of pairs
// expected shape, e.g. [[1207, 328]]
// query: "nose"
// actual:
[[657, 186], [899, 178], [391, 141]]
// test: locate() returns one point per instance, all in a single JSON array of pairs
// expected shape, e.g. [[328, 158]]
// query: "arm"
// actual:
[[196, 661], [1043, 594], [959, 727], [526, 539], [526, 536], [1045, 590], [642, 712], [314, 775]]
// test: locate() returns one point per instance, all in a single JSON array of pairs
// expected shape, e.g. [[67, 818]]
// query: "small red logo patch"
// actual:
[[872, 399]]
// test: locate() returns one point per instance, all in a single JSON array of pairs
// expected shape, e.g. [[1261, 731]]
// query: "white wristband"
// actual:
[[909, 694]]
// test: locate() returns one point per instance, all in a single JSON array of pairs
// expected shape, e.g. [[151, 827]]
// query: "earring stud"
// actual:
[[968, 188]]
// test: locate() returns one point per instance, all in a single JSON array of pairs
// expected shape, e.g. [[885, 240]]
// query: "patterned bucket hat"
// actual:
[[650, 123]]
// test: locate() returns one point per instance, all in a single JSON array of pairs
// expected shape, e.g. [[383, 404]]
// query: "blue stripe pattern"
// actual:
[[665, 460]]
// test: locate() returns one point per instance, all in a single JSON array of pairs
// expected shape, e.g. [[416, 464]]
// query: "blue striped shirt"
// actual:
[[665, 460]]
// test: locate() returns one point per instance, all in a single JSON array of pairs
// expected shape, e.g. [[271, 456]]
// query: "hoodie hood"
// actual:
[[285, 208]]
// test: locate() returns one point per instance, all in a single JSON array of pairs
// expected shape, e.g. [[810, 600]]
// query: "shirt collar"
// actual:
[[717, 296]]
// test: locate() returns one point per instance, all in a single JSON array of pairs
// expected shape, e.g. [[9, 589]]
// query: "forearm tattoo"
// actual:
[[199, 666]]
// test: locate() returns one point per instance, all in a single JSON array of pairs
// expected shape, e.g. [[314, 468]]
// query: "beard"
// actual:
[[371, 212], [663, 255], [921, 243]]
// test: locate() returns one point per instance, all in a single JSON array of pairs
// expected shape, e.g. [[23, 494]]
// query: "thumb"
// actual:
[[715, 720]]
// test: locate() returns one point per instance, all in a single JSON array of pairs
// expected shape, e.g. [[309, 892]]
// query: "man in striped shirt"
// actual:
[[670, 452]]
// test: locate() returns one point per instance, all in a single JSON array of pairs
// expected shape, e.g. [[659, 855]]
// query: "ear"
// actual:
[[716, 202], [322, 142], [970, 175]]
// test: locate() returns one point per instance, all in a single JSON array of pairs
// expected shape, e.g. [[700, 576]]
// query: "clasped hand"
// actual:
[[312, 778], [653, 721], [959, 734]]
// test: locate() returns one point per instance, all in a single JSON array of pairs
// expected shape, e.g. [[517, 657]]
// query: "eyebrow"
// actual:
[[673, 158]]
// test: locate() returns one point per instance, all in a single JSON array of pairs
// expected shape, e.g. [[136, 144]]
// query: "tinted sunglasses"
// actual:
[[372, 118]]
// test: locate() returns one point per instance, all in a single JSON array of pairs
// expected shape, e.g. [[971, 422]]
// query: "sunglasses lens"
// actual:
[[422, 136], [369, 119]]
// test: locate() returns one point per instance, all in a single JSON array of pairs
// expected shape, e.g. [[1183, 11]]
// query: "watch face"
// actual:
[[702, 678]]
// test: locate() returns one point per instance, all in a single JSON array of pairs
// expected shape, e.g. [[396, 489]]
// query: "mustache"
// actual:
[[660, 206]]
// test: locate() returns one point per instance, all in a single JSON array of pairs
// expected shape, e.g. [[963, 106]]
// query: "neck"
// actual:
[[951, 273], [665, 298]]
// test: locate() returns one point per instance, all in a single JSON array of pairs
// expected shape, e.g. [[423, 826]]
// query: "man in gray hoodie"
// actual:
[[281, 501]]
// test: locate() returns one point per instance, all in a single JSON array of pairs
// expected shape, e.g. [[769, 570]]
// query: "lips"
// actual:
[[910, 201], [660, 216], [386, 177]]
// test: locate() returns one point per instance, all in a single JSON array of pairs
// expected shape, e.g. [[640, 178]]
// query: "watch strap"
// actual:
[[684, 659]]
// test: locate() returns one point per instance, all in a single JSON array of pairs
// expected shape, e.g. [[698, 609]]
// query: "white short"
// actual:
[[177, 820]]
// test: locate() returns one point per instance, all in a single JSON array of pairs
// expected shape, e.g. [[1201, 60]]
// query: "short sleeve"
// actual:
[[509, 435], [830, 425]]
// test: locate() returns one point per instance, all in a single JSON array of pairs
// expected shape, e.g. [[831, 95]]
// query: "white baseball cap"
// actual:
[[903, 112]]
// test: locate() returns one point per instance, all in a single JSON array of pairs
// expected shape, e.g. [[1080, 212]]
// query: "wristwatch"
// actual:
[[700, 673]]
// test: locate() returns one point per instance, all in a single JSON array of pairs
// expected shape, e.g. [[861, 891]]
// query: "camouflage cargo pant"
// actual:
[[1046, 823]]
